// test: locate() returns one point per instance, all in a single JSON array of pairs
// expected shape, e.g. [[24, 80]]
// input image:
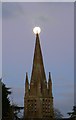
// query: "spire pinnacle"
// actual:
[[50, 85], [49, 77], [26, 85], [27, 77]]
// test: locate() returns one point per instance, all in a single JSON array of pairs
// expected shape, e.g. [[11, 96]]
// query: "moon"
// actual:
[[36, 30]]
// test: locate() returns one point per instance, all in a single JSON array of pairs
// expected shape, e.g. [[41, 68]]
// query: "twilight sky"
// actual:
[[57, 42]]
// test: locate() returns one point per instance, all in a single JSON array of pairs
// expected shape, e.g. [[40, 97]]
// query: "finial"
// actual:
[[49, 76], [26, 76], [36, 30]]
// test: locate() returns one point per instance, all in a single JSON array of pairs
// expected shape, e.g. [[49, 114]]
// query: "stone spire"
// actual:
[[38, 72], [26, 85], [50, 78], [50, 85]]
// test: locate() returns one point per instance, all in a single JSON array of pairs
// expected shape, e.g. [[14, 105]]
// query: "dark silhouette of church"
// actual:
[[38, 99]]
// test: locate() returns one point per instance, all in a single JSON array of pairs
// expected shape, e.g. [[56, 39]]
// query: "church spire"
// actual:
[[38, 72], [38, 100], [38, 67]]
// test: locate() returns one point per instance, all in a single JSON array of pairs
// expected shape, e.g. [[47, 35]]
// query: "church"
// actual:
[[38, 98]]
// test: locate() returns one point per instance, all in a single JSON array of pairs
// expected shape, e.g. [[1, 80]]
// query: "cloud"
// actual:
[[10, 10]]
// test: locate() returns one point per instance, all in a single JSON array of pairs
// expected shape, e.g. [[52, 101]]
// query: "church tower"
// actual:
[[38, 99]]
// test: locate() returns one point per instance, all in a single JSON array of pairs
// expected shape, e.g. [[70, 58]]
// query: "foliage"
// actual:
[[73, 113], [6, 107], [9, 112], [16, 110], [57, 113]]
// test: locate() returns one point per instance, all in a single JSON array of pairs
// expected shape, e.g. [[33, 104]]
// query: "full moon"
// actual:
[[36, 30]]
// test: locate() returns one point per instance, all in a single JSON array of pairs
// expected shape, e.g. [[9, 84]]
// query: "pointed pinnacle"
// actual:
[[26, 77], [49, 77]]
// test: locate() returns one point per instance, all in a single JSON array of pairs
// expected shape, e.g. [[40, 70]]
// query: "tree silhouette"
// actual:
[[16, 110], [73, 113], [57, 113], [6, 107]]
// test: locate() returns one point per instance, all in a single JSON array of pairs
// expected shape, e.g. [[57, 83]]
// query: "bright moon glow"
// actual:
[[37, 30]]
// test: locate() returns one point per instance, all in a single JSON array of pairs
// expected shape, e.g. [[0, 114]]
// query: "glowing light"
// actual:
[[37, 30]]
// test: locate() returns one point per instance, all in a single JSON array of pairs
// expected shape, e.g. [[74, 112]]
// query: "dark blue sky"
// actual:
[[57, 42]]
